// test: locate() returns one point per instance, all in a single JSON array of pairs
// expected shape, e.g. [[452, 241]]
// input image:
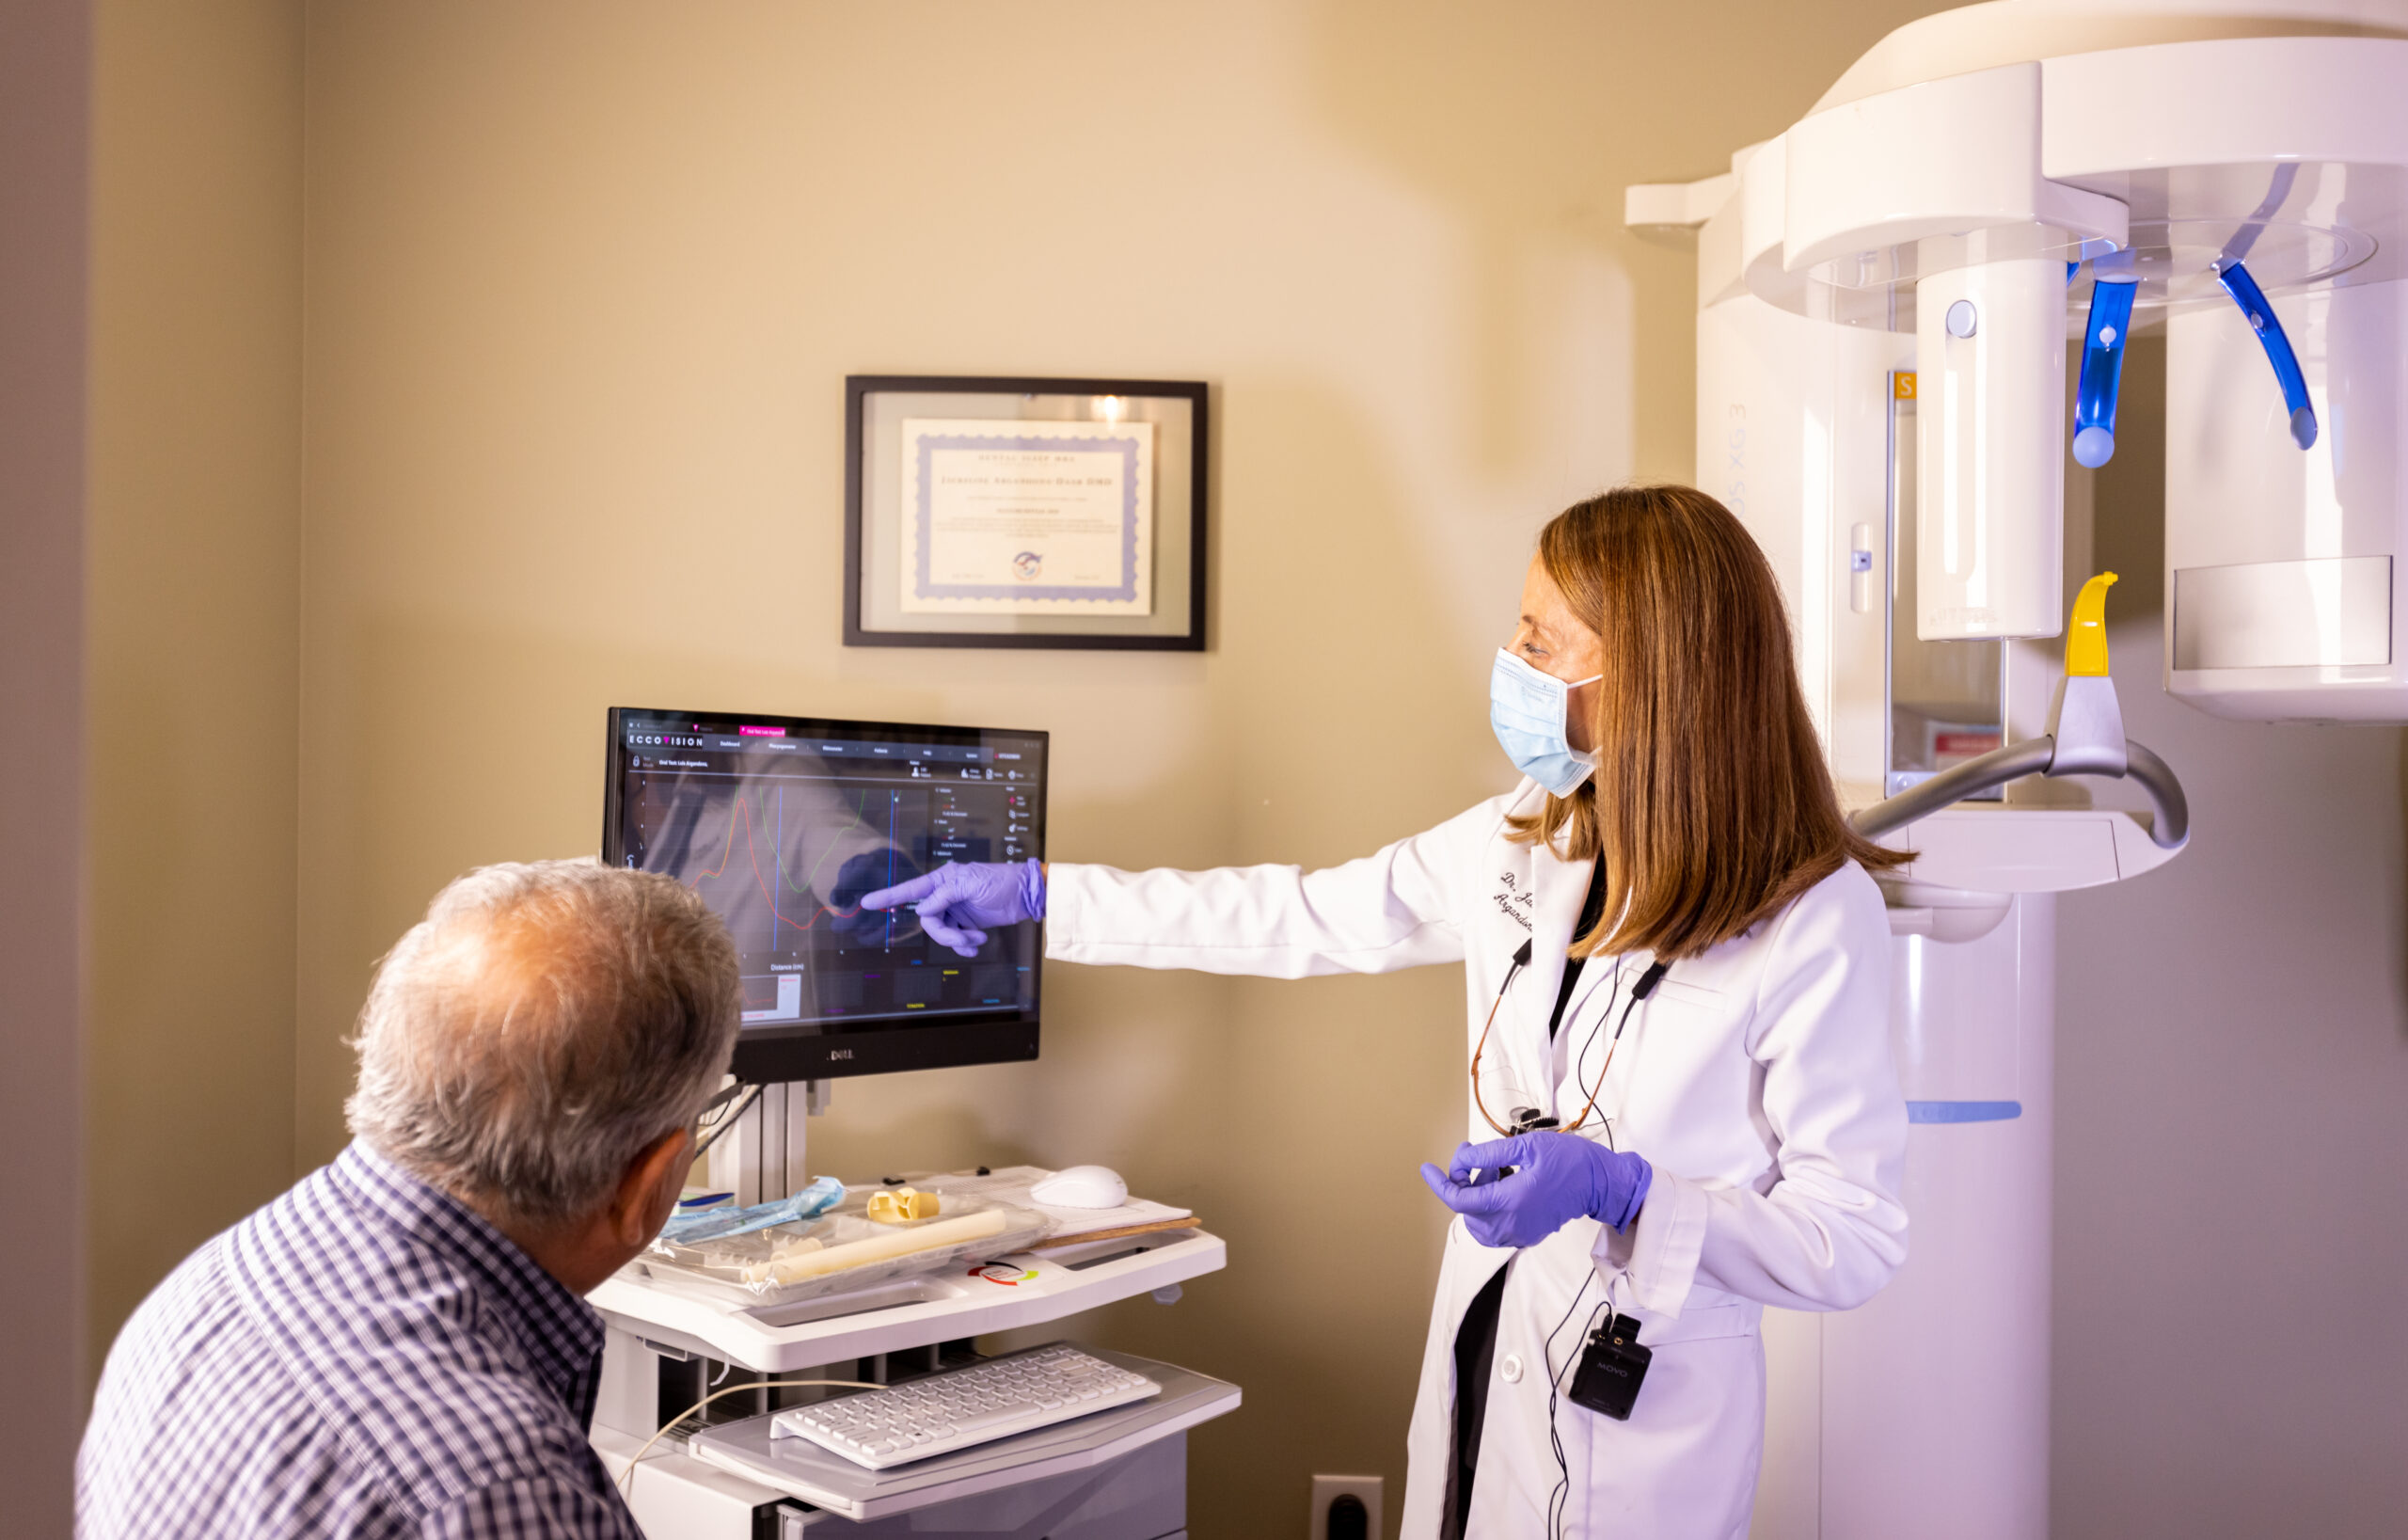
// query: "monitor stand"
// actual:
[[761, 1158]]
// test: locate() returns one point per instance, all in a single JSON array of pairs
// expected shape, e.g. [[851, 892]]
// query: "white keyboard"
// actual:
[[962, 1407]]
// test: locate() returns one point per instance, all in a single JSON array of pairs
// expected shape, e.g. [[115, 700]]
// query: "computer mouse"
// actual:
[[1082, 1187]]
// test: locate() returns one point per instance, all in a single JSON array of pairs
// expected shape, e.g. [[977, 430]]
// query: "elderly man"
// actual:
[[397, 1346]]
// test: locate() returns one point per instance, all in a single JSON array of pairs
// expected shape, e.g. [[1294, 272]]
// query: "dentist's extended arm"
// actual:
[[1397, 908]]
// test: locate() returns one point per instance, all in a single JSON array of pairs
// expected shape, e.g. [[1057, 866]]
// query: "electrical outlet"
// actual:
[[1327, 1489]]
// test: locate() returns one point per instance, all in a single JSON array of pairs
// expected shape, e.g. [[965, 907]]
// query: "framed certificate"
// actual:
[[1024, 513]]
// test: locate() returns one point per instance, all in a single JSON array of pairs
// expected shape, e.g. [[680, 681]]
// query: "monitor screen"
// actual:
[[783, 823]]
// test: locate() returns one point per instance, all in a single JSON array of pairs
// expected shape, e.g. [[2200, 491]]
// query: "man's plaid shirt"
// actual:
[[365, 1357]]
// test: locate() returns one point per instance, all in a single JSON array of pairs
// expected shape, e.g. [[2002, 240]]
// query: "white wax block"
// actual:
[[1012, 1185], [835, 1259]]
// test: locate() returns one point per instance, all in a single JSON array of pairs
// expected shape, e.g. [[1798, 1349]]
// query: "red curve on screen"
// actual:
[[777, 916]]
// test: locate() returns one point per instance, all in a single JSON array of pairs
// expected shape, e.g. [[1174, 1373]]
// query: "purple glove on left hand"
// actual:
[[1558, 1177], [959, 902]]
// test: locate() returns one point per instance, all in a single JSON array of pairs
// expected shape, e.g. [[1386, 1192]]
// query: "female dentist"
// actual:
[[1677, 976]]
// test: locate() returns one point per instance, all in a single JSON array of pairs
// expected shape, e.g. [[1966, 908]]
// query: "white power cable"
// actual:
[[627, 1477]]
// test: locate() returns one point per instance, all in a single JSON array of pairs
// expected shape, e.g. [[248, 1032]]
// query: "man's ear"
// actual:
[[659, 1170]]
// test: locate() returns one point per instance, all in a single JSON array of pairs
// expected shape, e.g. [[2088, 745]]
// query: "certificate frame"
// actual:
[[891, 422]]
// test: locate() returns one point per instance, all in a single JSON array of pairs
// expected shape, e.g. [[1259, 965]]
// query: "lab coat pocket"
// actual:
[[1684, 1467], [1702, 1323], [1702, 996], [1689, 1008]]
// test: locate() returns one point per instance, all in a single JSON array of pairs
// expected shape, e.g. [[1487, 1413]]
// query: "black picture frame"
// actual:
[[858, 389]]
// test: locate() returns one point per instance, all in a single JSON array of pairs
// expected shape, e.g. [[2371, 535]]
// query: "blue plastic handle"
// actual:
[[2252, 300], [2102, 370]]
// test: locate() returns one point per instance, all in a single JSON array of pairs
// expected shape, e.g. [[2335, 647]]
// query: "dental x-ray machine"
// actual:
[[1886, 294]]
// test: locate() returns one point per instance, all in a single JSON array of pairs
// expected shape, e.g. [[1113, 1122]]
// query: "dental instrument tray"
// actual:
[[843, 1249]]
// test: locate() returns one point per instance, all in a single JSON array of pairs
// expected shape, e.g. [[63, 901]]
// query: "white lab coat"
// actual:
[[1757, 1080]]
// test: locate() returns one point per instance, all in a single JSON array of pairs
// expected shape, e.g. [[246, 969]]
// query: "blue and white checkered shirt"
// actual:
[[365, 1357]]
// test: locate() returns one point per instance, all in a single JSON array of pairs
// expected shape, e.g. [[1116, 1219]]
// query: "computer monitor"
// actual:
[[783, 823]]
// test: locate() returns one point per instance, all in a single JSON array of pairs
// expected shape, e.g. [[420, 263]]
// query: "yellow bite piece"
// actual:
[[2086, 635], [894, 1205]]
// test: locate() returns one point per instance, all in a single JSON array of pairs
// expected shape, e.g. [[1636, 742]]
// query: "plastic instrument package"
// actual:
[[824, 1192], [842, 1250]]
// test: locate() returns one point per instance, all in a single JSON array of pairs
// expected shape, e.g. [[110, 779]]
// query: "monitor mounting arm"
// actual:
[[758, 1155]]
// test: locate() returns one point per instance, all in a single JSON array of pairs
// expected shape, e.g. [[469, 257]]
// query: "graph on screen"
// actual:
[[782, 836]]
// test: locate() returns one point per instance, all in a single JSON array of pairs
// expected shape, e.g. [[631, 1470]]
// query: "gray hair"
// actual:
[[543, 1024]]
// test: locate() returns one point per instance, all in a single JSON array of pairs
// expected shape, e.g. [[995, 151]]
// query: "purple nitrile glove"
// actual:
[[1557, 1177], [959, 902]]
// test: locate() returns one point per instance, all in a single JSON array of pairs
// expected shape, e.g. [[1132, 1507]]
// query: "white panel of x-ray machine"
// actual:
[[1998, 178], [1886, 291]]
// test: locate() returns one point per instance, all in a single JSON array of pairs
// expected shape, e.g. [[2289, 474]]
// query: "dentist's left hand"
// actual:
[[959, 904], [1557, 1178]]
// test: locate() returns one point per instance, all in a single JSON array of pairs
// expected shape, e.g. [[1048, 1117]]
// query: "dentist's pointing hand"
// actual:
[[959, 904], [865, 873]]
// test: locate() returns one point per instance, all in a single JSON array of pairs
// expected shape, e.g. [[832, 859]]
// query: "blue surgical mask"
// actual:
[[1528, 708]]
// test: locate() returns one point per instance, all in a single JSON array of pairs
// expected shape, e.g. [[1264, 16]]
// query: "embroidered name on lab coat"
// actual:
[[1512, 900]]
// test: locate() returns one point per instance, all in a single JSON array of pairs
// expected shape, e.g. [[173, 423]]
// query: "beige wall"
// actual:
[[583, 284], [194, 627], [45, 143]]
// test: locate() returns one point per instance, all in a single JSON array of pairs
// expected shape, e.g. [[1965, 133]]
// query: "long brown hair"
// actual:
[[1711, 807]]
